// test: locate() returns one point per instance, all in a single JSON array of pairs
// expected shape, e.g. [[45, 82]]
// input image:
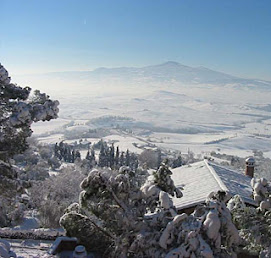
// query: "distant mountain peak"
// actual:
[[170, 71], [173, 63]]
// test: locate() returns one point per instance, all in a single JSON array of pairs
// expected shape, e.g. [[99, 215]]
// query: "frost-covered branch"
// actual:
[[18, 112]]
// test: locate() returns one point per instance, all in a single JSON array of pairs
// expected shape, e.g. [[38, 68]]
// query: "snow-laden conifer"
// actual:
[[18, 111], [137, 220]]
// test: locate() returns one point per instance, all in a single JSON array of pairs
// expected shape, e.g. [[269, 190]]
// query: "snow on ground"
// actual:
[[40, 128], [91, 140], [31, 248], [125, 142], [205, 149], [51, 139], [173, 138], [53, 173], [83, 153], [30, 221]]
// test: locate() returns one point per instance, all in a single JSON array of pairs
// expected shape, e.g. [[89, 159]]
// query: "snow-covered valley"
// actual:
[[172, 106]]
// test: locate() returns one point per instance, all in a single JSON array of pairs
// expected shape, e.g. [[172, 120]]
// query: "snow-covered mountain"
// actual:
[[167, 72]]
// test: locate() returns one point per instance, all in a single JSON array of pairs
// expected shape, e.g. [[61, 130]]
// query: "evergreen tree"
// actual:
[[56, 150], [102, 157], [88, 157], [77, 155], [18, 112], [111, 156], [73, 156], [65, 153], [117, 156], [93, 156], [177, 162], [122, 161], [159, 158], [61, 149], [127, 158]]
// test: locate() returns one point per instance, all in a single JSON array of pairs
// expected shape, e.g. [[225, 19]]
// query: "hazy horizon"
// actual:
[[233, 37]]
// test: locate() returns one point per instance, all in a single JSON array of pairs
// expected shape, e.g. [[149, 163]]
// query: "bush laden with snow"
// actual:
[[208, 232], [53, 195], [254, 223], [18, 112], [143, 222], [10, 187]]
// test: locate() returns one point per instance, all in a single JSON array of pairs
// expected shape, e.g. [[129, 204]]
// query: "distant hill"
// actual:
[[167, 72]]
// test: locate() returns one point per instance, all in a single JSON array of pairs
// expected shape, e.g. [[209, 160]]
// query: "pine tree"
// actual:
[[88, 156], [56, 150], [159, 158], [122, 161], [73, 156], [117, 156], [177, 162], [18, 112], [102, 157], [61, 150], [93, 156], [111, 156], [127, 158], [77, 155], [69, 154]]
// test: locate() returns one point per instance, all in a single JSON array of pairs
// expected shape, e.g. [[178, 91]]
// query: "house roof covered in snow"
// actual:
[[202, 178]]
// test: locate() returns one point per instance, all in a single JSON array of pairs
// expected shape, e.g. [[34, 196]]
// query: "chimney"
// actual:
[[250, 162]]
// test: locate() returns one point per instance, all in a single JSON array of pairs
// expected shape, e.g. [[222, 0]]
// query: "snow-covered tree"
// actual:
[[18, 111], [111, 156], [117, 156], [177, 162], [254, 223], [143, 222]]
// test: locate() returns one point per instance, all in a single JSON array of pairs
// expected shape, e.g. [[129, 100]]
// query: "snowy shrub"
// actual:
[[143, 222], [36, 161], [35, 172], [53, 195], [54, 163], [149, 158], [45, 151], [10, 187], [254, 223]]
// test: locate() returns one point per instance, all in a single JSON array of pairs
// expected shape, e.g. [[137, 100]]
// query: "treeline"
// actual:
[[64, 151], [113, 158], [109, 156]]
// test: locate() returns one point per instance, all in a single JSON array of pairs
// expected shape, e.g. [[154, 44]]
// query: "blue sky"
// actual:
[[233, 36]]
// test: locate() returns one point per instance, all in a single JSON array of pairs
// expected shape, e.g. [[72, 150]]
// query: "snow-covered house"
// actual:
[[201, 178]]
